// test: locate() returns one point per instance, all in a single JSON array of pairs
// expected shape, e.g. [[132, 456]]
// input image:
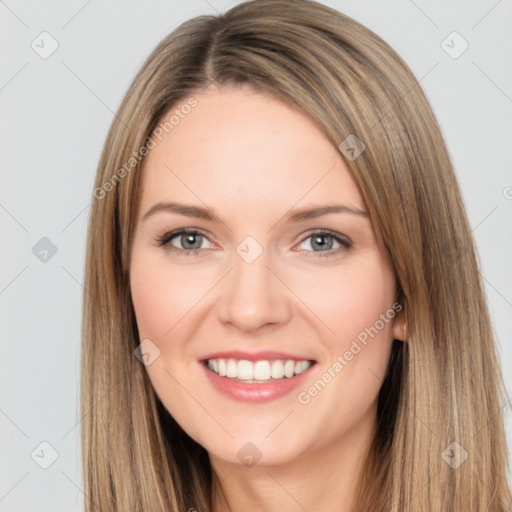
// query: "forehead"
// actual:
[[240, 148]]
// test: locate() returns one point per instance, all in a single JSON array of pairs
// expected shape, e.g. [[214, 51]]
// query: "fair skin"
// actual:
[[253, 160]]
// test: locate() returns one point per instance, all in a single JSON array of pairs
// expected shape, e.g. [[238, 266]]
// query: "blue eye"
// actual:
[[191, 241], [325, 241]]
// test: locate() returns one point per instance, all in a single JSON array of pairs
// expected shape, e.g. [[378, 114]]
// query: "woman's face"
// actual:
[[269, 324]]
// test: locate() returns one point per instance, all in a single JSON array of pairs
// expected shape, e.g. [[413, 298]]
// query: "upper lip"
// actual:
[[254, 356]]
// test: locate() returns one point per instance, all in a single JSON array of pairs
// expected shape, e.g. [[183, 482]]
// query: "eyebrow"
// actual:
[[208, 214]]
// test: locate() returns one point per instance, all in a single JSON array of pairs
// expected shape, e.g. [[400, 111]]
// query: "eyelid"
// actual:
[[165, 239], [345, 242]]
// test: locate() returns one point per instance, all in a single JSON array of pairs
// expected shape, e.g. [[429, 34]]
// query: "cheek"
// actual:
[[360, 311], [356, 304], [152, 303], [161, 298], [350, 299]]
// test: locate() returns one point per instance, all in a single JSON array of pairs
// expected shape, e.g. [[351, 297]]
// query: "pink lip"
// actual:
[[254, 393], [256, 356]]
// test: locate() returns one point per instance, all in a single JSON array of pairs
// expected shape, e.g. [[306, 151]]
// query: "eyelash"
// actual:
[[345, 242]]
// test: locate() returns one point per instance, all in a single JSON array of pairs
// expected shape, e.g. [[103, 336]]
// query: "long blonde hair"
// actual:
[[443, 386]]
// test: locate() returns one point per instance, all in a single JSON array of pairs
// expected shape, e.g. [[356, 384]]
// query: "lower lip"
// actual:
[[254, 393]]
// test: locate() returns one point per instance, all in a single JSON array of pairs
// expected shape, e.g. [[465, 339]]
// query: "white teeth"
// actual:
[[277, 371], [301, 366], [222, 367], [289, 367], [213, 364], [245, 370], [231, 368], [262, 370], [258, 370]]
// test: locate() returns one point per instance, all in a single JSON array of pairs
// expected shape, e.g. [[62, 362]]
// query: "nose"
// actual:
[[254, 295]]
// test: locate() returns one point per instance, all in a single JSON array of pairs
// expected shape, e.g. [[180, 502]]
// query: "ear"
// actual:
[[400, 326]]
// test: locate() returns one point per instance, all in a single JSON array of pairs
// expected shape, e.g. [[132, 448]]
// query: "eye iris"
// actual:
[[191, 238], [318, 241]]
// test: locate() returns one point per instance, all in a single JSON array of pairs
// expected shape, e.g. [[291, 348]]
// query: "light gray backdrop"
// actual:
[[65, 67]]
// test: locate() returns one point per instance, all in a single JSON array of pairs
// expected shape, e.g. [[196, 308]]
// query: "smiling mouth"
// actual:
[[257, 372]]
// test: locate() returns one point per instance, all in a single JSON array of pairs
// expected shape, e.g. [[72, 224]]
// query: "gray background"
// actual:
[[55, 115]]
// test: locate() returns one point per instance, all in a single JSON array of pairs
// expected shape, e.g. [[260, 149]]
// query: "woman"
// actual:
[[324, 343]]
